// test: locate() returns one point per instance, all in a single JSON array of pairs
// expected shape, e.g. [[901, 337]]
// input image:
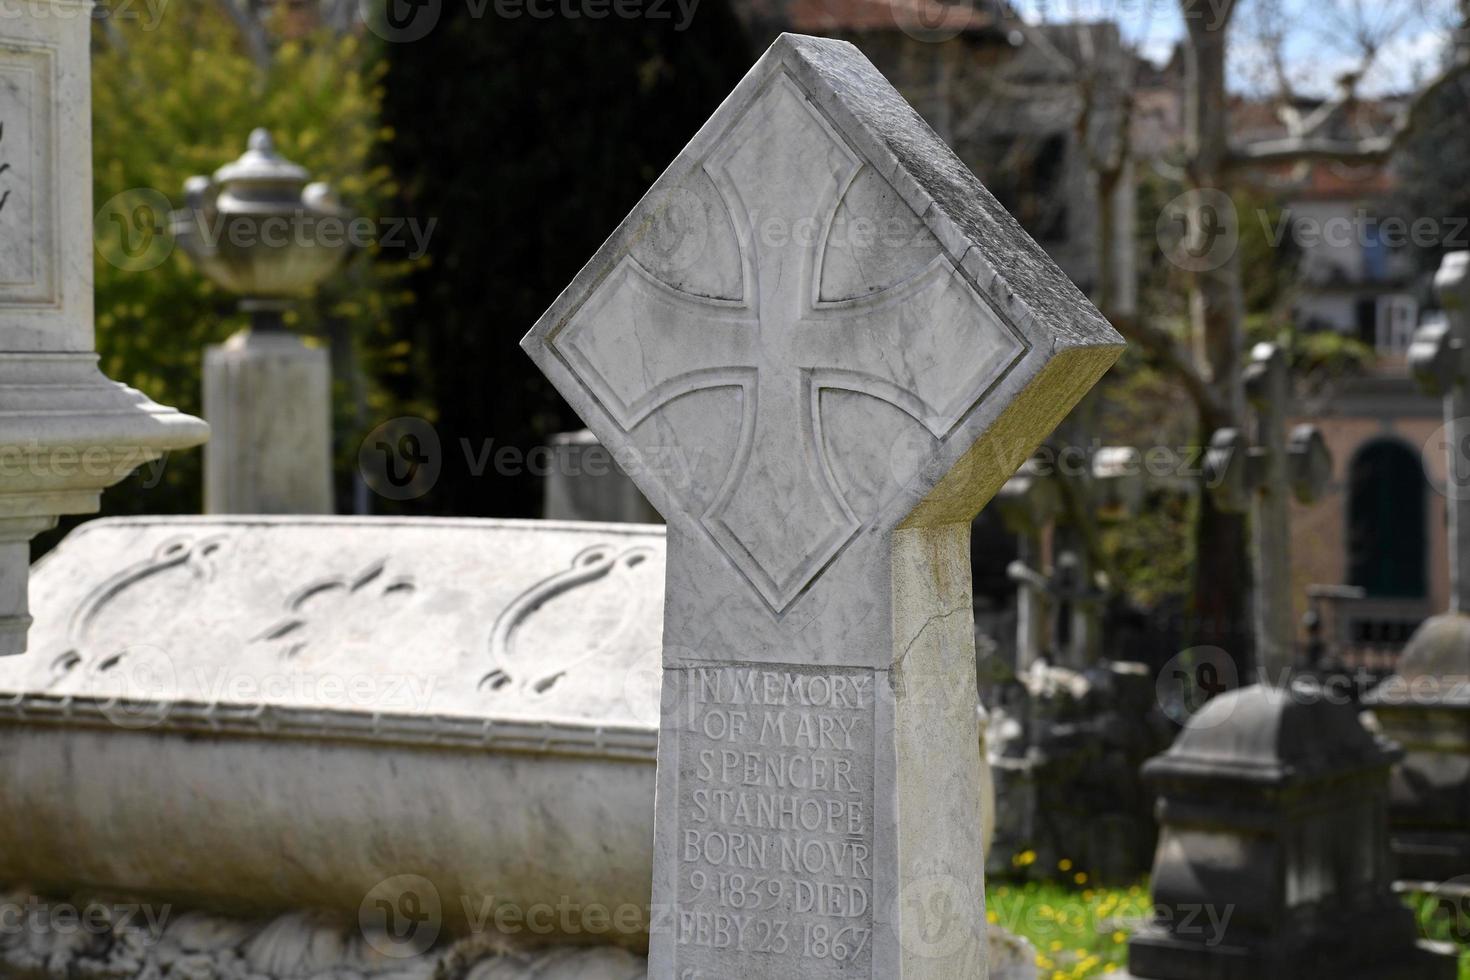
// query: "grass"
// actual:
[[1081, 932], [1078, 931]]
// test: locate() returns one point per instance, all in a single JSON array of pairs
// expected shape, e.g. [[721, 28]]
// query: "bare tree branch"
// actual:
[[257, 41], [1374, 149], [1164, 348]]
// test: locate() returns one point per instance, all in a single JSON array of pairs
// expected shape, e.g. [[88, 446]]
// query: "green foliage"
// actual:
[[179, 98], [1430, 171], [1317, 358], [1444, 919], [1079, 932]]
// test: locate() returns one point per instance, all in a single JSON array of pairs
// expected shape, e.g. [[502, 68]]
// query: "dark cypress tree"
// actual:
[[528, 139]]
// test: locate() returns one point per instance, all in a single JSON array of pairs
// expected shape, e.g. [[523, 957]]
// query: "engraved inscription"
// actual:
[[782, 342], [28, 238], [775, 839]]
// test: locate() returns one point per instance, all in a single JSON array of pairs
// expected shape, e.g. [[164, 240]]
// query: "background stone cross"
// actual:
[[1440, 359], [1258, 473], [818, 346]]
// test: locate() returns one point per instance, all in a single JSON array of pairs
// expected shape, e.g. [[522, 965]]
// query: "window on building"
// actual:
[[1387, 541]]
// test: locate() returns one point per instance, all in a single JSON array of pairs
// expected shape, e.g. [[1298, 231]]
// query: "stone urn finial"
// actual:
[[260, 230]]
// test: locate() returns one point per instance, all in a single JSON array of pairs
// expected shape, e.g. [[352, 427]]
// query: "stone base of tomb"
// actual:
[[1273, 856], [1431, 856], [1371, 949], [110, 938], [1425, 708], [96, 937]]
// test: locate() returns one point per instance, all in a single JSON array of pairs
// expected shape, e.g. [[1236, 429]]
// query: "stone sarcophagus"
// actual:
[[1273, 859], [261, 714]]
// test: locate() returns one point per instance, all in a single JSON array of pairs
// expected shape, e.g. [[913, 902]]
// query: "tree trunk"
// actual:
[[1219, 600]]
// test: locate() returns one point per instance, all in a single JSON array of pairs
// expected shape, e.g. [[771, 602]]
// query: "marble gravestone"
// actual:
[[210, 705], [847, 346], [68, 430]]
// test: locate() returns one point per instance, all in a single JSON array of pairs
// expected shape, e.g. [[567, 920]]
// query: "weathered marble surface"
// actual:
[[146, 791], [162, 943], [68, 431], [847, 346], [157, 942], [212, 705], [268, 400]]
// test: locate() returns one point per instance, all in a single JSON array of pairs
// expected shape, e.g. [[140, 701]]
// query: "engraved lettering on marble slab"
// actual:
[[28, 236], [775, 851]]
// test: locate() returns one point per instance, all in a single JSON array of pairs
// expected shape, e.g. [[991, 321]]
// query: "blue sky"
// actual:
[[1316, 46]]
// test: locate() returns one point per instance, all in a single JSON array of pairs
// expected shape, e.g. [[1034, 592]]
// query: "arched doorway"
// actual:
[[1387, 543]]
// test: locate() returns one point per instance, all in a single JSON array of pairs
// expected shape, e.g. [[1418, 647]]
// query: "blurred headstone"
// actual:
[[1273, 859], [586, 484], [1425, 704]]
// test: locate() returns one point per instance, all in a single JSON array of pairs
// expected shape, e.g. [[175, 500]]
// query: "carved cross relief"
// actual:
[[822, 279], [820, 302]]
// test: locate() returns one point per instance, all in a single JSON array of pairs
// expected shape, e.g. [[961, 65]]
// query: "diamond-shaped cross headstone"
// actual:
[[818, 346]]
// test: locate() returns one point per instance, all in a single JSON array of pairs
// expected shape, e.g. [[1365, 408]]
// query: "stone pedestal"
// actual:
[[587, 484], [1273, 856], [267, 397], [1425, 707], [66, 430]]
